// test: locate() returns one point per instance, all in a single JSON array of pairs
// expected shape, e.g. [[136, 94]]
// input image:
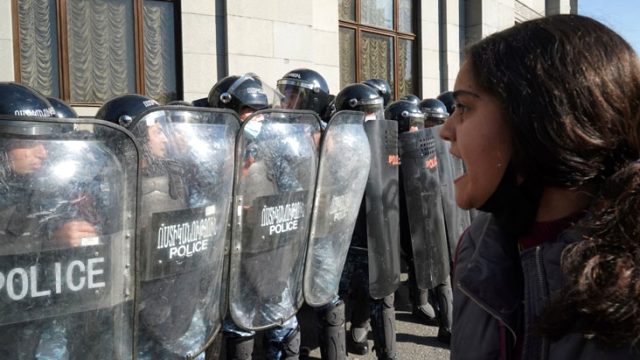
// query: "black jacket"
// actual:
[[492, 317]]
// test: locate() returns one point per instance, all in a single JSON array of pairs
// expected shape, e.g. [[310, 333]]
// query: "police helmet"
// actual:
[[17, 100], [448, 100], [434, 110], [63, 110], [235, 92], [304, 89], [407, 114], [361, 97], [383, 88], [123, 109], [411, 98], [20, 100]]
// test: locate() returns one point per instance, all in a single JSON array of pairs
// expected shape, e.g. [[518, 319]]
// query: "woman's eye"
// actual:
[[459, 108]]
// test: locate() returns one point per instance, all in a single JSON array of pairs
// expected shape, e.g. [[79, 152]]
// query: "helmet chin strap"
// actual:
[[514, 205]]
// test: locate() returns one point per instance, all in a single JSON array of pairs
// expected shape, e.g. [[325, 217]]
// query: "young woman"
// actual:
[[547, 122]]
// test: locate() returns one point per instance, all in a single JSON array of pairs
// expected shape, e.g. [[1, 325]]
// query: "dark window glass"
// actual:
[[377, 13]]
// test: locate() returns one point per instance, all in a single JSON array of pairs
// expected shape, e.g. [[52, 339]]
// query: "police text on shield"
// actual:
[[73, 276], [282, 218], [186, 239]]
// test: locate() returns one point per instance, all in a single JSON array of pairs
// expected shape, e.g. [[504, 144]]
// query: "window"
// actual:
[[377, 40], [88, 51]]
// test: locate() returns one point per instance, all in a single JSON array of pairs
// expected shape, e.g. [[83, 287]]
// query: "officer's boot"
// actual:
[[290, 346], [444, 298], [422, 307], [383, 326], [332, 333], [358, 341], [238, 347]]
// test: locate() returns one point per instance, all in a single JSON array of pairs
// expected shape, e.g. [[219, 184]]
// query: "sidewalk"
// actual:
[[415, 340]]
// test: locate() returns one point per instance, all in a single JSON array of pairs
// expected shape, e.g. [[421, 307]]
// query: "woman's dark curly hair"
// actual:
[[570, 87]]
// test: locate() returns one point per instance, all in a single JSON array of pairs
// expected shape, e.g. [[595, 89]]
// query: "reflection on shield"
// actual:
[[382, 204], [277, 159], [66, 220], [185, 194], [419, 168], [345, 159]]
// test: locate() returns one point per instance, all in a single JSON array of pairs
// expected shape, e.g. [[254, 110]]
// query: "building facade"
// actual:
[[87, 51]]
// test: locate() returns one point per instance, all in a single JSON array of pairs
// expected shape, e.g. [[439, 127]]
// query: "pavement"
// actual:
[[415, 339]]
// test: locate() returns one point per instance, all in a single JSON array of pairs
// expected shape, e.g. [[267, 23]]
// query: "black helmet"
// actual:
[[411, 98], [63, 110], [304, 89], [448, 101], [383, 88], [434, 110], [19, 100], [235, 92], [123, 109], [406, 113], [361, 97]]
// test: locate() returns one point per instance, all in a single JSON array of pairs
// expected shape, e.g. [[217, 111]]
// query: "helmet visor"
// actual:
[[252, 92], [297, 94]]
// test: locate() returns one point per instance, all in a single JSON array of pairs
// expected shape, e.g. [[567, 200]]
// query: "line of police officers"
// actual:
[[147, 231]]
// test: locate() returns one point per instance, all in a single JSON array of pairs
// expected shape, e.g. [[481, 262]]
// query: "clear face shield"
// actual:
[[373, 108], [250, 92], [297, 93], [414, 121]]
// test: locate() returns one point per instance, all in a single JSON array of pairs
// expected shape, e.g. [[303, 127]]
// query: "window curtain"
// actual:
[[347, 57], [405, 67], [101, 49], [38, 46], [377, 57], [159, 51]]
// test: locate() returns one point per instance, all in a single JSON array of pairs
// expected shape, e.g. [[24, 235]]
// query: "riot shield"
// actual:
[[345, 159], [419, 167], [382, 207], [277, 157], [457, 220], [186, 182], [66, 238]]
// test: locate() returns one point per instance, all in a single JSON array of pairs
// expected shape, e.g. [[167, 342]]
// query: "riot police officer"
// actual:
[[245, 95], [456, 219], [435, 112], [357, 280], [168, 310], [50, 211], [410, 119], [306, 89]]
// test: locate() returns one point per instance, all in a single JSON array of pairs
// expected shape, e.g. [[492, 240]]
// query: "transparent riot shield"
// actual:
[[67, 209], [457, 220], [382, 206], [345, 158], [277, 160], [419, 167], [186, 180]]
